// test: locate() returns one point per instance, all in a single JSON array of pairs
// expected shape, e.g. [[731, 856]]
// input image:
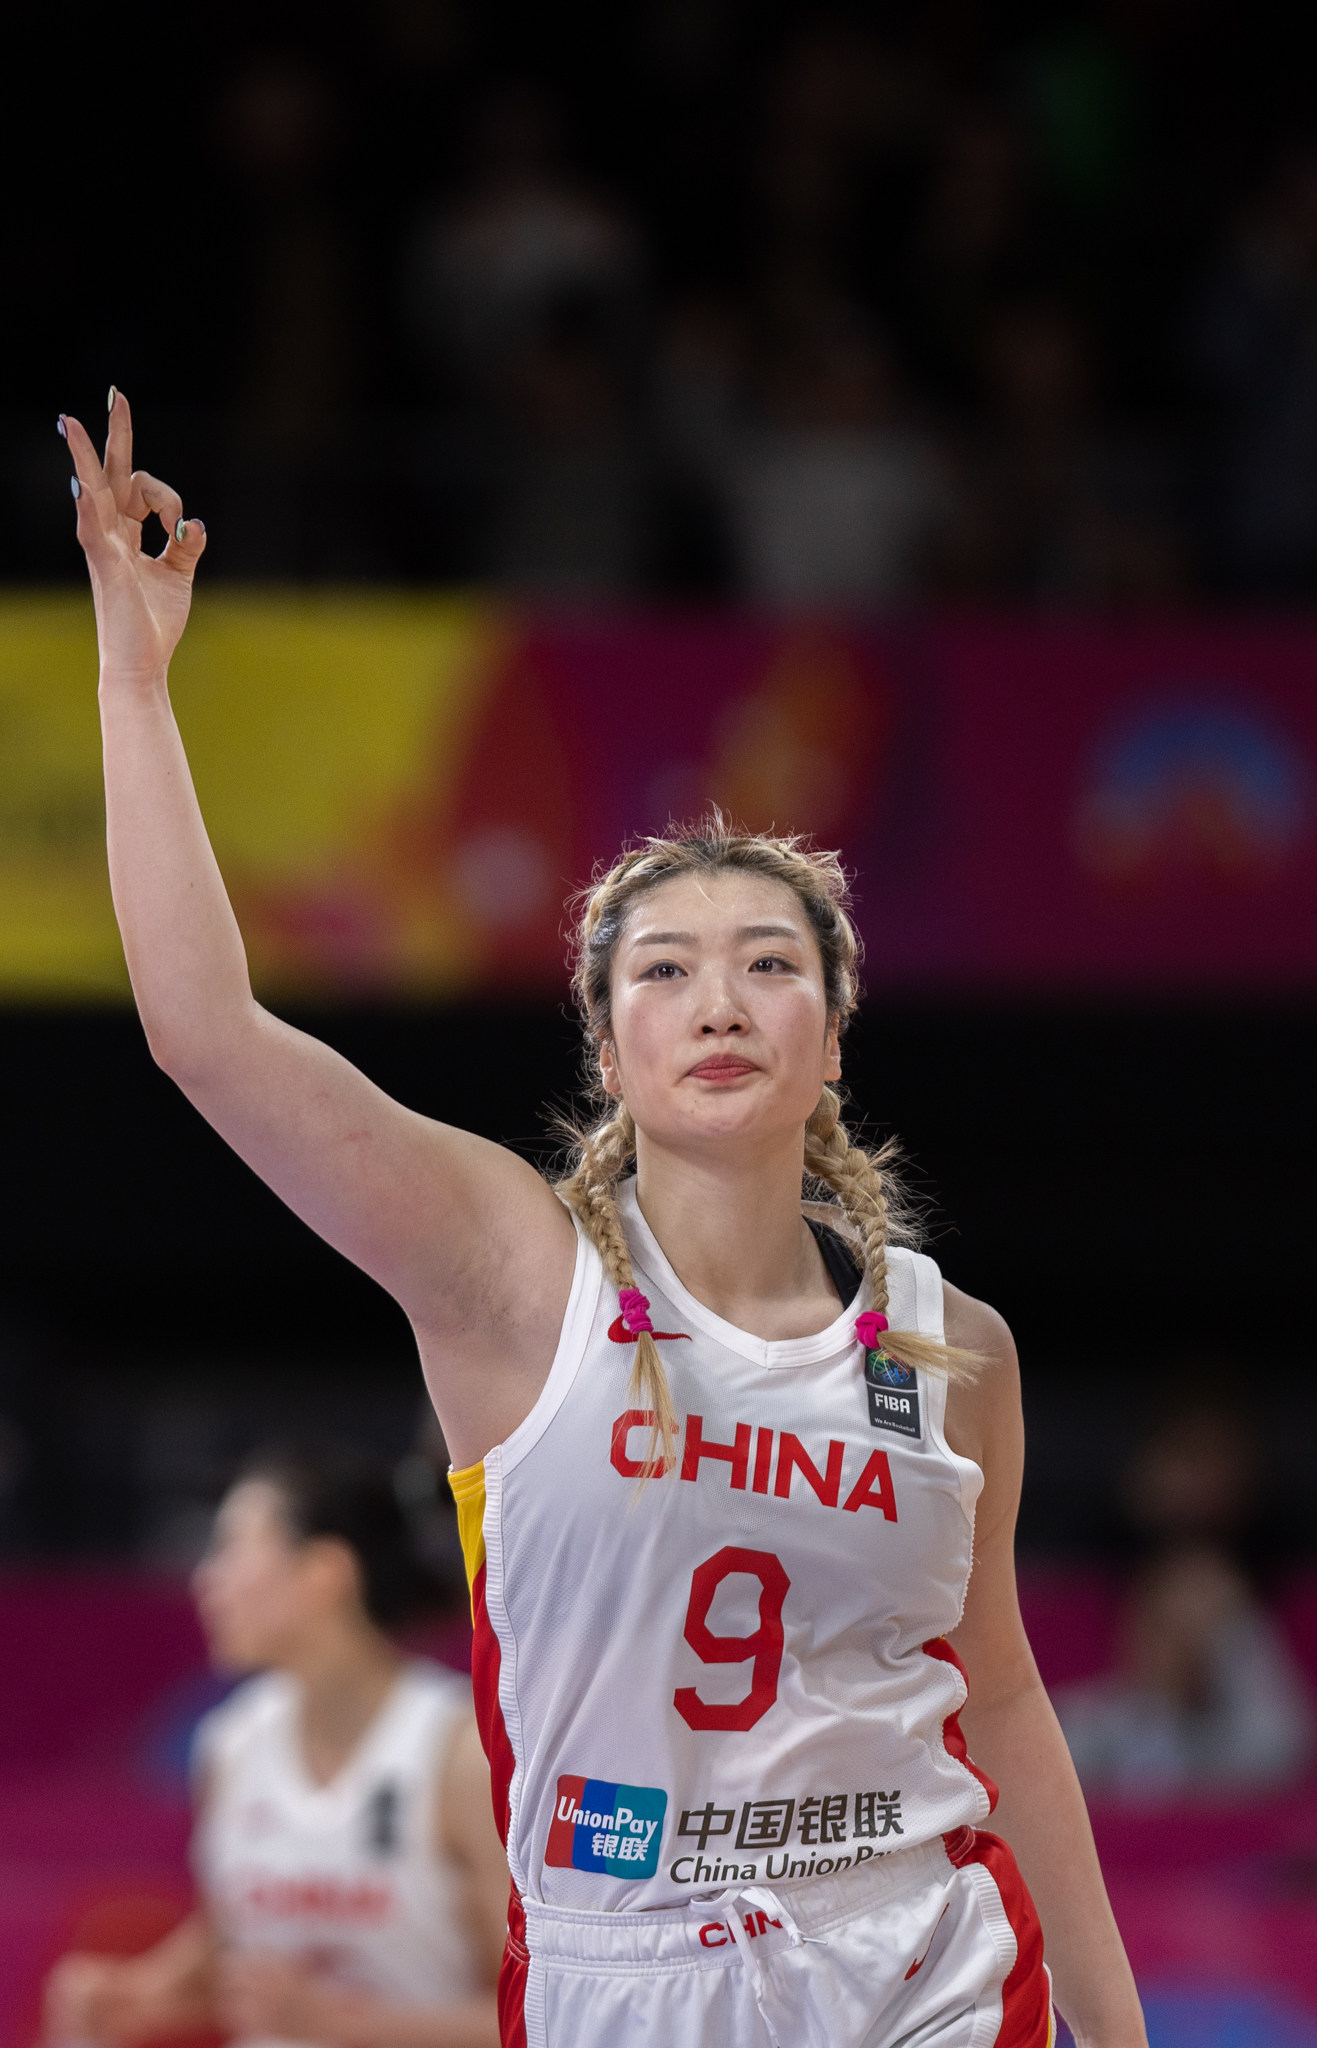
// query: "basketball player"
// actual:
[[722, 1475], [353, 1886]]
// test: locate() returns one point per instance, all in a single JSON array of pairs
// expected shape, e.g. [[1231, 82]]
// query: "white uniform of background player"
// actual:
[[346, 1873], [352, 1886]]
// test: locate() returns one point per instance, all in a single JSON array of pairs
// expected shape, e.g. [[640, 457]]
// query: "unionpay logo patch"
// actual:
[[616, 1829]]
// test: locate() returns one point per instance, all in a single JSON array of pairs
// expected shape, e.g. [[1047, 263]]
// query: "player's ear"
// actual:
[[832, 1051], [610, 1079], [335, 1571]]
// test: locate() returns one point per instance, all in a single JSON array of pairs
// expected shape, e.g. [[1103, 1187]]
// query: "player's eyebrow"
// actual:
[[745, 931]]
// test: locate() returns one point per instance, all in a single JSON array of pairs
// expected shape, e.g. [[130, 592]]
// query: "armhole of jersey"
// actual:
[[469, 1482], [930, 1318], [577, 1322]]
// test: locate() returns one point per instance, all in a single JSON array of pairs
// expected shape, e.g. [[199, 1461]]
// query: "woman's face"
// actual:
[[258, 1590], [720, 1028]]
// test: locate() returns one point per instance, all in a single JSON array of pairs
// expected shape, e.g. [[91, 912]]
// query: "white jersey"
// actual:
[[736, 1673], [345, 1874]]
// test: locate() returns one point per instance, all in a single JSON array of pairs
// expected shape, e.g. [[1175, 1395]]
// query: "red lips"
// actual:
[[723, 1067]]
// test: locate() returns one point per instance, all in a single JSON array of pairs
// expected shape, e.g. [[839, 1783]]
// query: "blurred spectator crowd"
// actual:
[[787, 304], [1204, 1695]]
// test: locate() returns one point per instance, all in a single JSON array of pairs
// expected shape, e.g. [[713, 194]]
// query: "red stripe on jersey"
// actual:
[[512, 1978], [486, 1660], [953, 1739], [1026, 1996]]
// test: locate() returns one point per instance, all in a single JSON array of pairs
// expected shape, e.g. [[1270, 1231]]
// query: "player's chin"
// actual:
[[736, 1114], [233, 1653]]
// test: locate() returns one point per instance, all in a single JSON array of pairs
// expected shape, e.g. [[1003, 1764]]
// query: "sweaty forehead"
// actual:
[[714, 903]]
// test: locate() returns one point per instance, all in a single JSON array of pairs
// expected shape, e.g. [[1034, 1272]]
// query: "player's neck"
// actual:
[[733, 1232], [345, 1674]]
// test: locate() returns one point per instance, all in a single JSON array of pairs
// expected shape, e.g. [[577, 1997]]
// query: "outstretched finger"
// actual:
[[86, 462], [147, 494], [119, 448], [96, 507]]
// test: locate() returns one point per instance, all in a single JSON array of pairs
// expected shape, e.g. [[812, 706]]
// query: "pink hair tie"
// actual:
[[635, 1310], [869, 1328]]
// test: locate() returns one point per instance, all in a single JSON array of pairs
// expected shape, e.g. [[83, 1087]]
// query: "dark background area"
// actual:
[[388, 280], [1049, 273]]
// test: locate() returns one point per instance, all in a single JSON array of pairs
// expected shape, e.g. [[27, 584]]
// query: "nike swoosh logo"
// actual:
[[618, 1333], [916, 1967]]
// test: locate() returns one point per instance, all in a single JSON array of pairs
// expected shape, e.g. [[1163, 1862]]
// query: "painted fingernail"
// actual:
[[114, 393], [61, 429], [75, 487], [200, 524], [180, 530]]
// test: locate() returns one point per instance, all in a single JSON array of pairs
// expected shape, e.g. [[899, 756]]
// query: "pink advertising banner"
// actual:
[[1118, 805], [1026, 805], [403, 790]]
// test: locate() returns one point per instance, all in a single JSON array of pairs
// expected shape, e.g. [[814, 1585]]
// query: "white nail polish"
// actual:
[[180, 531], [114, 393]]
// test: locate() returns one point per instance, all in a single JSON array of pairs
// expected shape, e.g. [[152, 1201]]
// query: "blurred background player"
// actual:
[[353, 1886]]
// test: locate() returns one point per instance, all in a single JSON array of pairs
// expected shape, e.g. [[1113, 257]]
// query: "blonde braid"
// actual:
[[857, 1177], [604, 1151]]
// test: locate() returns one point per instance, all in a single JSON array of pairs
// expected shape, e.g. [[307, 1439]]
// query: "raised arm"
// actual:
[[440, 1217]]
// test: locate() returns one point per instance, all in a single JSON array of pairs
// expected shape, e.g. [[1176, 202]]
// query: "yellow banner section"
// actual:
[[315, 726]]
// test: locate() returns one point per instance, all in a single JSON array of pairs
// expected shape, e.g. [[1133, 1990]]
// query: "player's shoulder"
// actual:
[[983, 1418], [430, 1701], [436, 1684], [250, 1711], [239, 1728], [432, 1708], [974, 1325], [916, 1289]]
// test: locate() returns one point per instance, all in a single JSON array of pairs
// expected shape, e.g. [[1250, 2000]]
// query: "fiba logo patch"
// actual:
[[893, 1391], [616, 1830]]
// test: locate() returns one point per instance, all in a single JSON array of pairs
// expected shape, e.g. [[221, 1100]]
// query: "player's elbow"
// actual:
[[181, 1050], [193, 1048]]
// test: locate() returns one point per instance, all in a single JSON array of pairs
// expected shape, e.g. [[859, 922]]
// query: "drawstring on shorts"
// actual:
[[771, 1910]]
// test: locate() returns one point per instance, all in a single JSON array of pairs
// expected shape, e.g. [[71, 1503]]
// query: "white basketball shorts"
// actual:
[[938, 1945]]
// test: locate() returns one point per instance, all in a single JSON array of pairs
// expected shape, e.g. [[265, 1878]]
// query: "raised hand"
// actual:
[[142, 600]]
